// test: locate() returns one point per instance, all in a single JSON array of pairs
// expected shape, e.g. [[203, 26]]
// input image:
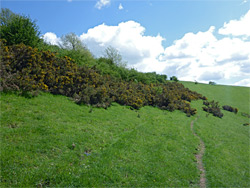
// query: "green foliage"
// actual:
[[106, 67], [80, 54], [115, 57], [174, 78], [27, 69], [16, 29], [212, 83], [5, 16], [71, 41]]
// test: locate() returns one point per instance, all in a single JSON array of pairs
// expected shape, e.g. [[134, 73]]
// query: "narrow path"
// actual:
[[198, 156]]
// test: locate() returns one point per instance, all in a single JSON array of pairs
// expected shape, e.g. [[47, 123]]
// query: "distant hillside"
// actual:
[[227, 95]]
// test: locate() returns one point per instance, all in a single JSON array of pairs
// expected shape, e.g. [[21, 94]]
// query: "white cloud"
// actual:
[[102, 3], [244, 2], [120, 7], [51, 38], [128, 38], [244, 82], [196, 56], [69, 0], [239, 27], [203, 57]]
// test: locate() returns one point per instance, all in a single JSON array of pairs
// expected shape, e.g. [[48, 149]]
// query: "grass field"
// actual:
[[50, 141], [227, 155]]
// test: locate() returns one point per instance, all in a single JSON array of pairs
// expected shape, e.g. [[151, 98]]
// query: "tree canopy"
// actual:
[[114, 55], [16, 29], [71, 41]]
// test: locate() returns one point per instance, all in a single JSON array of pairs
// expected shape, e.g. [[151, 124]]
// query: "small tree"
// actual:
[[75, 49], [174, 78], [114, 55], [211, 83], [16, 29], [71, 41]]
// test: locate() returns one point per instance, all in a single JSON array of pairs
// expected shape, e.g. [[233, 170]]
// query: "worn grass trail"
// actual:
[[199, 156], [226, 159]]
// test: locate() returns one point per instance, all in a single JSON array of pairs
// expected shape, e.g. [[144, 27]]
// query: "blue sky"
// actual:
[[160, 23], [171, 19]]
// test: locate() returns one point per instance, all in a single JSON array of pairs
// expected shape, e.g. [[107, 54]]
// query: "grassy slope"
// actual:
[[226, 95], [155, 149], [227, 155]]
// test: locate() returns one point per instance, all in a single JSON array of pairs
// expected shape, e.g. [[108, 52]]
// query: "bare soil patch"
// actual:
[[198, 156]]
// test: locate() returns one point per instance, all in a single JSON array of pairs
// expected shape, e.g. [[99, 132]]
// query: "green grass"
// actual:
[[119, 147], [227, 155], [226, 95], [113, 147]]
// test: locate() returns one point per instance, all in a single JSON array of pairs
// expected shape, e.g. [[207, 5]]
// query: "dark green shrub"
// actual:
[[245, 114], [211, 83], [213, 108], [174, 78], [230, 109], [16, 29]]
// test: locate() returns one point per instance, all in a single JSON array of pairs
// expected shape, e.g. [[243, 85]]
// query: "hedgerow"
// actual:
[[27, 69]]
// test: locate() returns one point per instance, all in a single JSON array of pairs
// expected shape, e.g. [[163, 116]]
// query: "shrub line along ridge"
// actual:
[[30, 70]]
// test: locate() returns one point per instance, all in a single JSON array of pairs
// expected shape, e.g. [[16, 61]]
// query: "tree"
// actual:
[[174, 78], [16, 29], [113, 54], [73, 47], [211, 83], [71, 41], [5, 16]]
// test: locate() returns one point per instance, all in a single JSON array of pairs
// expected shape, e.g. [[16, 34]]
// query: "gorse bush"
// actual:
[[28, 69], [213, 108], [230, 109], [104, 66]]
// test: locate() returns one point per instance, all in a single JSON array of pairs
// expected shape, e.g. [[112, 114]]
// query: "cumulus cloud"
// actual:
[[196, 56], [237, 27], [102, 3], [244, 82], [51, 38], [120, 7], [203, 57], [139, 50]]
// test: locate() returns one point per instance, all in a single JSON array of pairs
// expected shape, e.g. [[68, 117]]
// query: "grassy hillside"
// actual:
[[51, 141], [113, 147], [227, 95], [227, 152]]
